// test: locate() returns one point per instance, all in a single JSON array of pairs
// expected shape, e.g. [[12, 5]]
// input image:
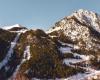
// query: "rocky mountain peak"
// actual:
[[88, 17], [82, 27], [71, 47], [16, 27], [12, 26]]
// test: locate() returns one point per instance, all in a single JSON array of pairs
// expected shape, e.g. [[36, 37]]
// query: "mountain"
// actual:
[[69, 50], [81, 28], [15, 27]]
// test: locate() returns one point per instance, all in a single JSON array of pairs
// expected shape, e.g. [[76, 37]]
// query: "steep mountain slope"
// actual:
[[79, 33], [5, 39], [81, 28], [70, 50]]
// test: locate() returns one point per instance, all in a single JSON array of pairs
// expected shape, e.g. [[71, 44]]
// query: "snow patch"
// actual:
[[70, 45], [72, 61], [9, 27], [52, 30], [26, 56], [53, 36], [65, 49], [20, 31], [84, 57], [78, 76], [10, 51]]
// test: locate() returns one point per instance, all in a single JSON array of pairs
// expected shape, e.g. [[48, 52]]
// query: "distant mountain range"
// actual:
[[69, 50]]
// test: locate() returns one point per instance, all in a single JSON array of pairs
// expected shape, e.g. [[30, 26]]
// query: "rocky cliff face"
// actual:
[[71, 48], [82, 28]]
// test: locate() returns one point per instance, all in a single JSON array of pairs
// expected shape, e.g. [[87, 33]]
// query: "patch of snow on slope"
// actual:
[[78, 76], [73, 61], [83, 76], [69, 48], [55, 29], [62, 43], [53, 36], [65, 49], [10, 51], [94, 75], [20, 31], [84, 57], [26, 56], [9, 27]]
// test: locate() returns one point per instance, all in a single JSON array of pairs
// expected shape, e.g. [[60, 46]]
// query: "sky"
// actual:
[[41, 14]]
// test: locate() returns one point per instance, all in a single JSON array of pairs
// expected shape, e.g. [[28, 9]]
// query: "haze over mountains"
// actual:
[[69, 50]]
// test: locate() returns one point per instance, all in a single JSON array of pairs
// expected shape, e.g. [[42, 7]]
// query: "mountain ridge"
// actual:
[[70, 50]]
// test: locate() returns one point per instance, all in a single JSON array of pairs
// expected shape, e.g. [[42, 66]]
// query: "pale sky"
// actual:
[[41, 13]]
